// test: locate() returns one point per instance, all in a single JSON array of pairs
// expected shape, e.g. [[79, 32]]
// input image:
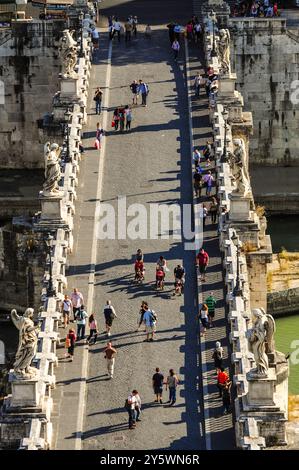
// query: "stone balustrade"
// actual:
[[236, 216], [37, 434]]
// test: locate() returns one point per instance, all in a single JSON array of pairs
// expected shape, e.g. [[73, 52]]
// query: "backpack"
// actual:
[[79, 315], [153, 317]]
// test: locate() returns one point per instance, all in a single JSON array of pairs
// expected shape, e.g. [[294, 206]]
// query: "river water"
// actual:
[[284, 231]]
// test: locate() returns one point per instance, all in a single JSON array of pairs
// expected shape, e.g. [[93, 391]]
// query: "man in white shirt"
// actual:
[[132, 402], [66, 307], [116, 29], [77, 300]]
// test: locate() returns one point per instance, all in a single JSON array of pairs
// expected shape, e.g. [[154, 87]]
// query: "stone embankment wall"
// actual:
[[29, 69], [25, 421], [260, 406], [266, 61]]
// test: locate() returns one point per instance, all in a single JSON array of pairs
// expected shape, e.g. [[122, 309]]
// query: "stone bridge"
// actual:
[[73, 405]]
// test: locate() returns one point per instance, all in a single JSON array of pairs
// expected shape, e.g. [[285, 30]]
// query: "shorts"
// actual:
[[211, 313], [204, 322], [202, 268], [109, 321], [66, 314], [158, 390], [150, 329]]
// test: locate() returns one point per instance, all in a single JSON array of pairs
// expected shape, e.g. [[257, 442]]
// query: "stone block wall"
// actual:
[[266, 61], [29, 69]]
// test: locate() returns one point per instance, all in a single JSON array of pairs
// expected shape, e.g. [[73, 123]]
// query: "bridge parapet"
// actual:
[[260, 405], [27, 424]]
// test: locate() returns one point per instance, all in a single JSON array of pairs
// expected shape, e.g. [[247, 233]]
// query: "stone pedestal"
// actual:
[[53, 212], [69, 89], [261, 391], [239, 207], [227, 85], [24, 392]]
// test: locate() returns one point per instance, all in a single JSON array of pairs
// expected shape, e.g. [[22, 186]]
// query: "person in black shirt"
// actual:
[[158, 380], [179, 275], [197, 183], [134, 90]]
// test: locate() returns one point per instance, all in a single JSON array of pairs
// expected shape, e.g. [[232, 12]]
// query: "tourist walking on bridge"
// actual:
[[98, 100], [81, 316], [218, 355], [93, 329], [77, 301], [211, 303], [130, 405], [143, 90], [110, 354], [202, 261], [66, 307], [172, 383], [158, 380], [70, 343], [176, 49], [149, 319], [109, 314], [134, 90]]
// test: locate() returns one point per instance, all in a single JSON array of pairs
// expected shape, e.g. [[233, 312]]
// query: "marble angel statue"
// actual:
[[224, 50], [239, 166], [261, 341], [52, 169], [68, 50], [27, 344]]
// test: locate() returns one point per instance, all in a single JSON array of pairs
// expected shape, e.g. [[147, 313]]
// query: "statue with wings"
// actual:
[[261, 340], [27, 344]]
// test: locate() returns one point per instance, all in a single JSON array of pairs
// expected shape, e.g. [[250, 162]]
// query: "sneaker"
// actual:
[[108, 334]]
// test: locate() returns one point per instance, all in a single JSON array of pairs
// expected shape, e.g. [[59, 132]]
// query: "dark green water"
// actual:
[[284, 231], [287, 332]]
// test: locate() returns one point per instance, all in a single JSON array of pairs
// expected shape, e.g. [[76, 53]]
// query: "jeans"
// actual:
[[175, 53], [128, 125], [132, 417], [91, 333], [80, 331], [197, 91], [138, 413], [98, 107], [143, 96], [172, 394], [128, 36]]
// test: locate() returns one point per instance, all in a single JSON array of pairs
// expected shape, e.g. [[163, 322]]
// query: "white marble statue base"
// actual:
[[51, 206], [24, 393], [239, 207], [261, 391], [227, 85], [69, 89]]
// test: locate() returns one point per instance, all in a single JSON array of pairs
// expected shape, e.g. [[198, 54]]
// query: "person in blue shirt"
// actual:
[[149, 319], [143, 90]]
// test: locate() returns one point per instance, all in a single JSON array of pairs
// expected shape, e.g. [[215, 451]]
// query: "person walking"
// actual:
[[148, 32], [197, 83], [226, 397], [158, 380], [70, 343], [77, 300], [213, 210], [208, 180], [134, 90], [222, 378], [197, 183], [176, 49], [138, 407], [204, 319], [143, 90], [128, 115], [66, 307], [198, 32], [116, 29], [218, 355], [172, 383], [116, 118], [130, 405], [81, 316], [99, 135], [149, 319], [142, 310], [211, 303], [110, 354], [98, 100], [93, 329], [202, 261], [121, 115], [135, 23], [109, 314], [128, 30]]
